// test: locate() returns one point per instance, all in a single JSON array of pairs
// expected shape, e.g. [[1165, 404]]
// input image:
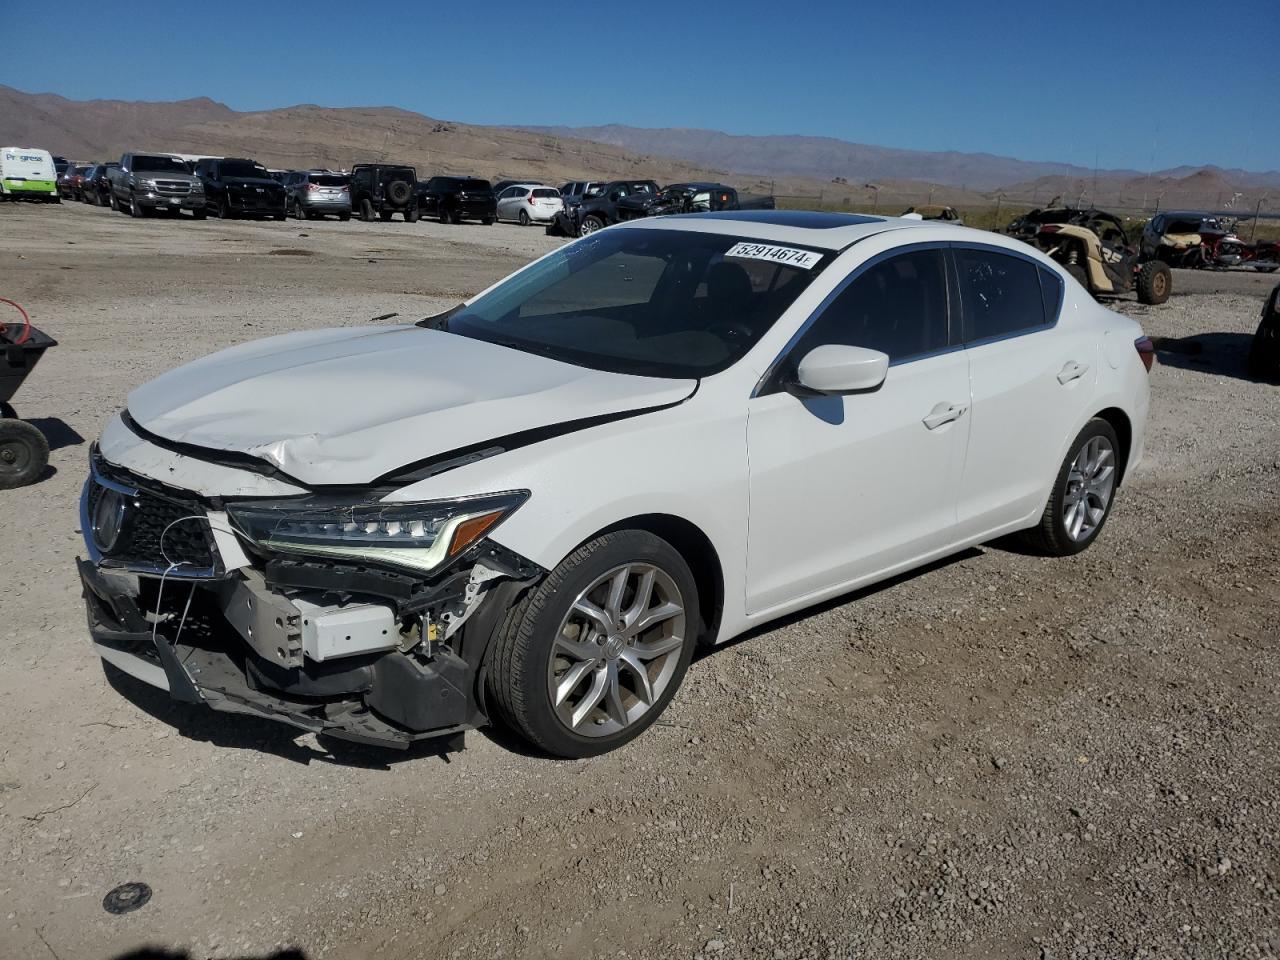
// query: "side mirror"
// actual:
[[836, 369]]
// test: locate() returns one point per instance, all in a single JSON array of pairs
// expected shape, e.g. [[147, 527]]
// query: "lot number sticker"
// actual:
[[790, 256]]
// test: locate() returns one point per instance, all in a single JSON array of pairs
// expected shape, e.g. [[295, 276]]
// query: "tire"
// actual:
[[1263, 361], [344, 217], [524, 218], [297, 210], [487, 221], [444, 214], [24, 454], [1155, 282], [399, 192], [366, 210], [113, 202], [385, 215], [135, 209], [532, 652], [224, 209], [411, 215], [278, 216], [1053, 536], [590, 224], [200, 214]]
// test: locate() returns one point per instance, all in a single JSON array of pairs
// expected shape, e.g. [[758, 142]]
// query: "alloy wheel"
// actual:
[[617, 650], [1090, 484]]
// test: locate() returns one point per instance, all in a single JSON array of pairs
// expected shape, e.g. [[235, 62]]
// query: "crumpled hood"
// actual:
[[347, 406]]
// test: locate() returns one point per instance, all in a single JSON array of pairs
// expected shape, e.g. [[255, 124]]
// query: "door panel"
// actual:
[[1030, 387], [843, 488]]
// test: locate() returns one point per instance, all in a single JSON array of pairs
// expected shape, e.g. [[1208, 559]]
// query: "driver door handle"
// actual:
[[944, 413], [1072, 371]]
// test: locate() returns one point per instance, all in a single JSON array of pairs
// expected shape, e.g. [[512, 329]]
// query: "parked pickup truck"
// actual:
[[146, 183], [690, 198], [598, 206]]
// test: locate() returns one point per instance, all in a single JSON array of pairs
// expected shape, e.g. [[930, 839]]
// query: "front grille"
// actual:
[[152, 520], [173, 188]]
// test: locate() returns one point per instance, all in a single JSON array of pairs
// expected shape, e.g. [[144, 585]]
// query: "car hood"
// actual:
[[346, 407]]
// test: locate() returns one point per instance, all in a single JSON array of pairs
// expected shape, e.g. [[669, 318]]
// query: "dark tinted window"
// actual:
[[325, 179], [898, 306], [1001, 294], [150, 164], [546, 192], [473, 185], [1051, 293]]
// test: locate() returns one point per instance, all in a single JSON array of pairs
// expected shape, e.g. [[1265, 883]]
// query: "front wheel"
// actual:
[[590, 658], [1155, 282], [1082, 493], [590, 225], [135, 208]]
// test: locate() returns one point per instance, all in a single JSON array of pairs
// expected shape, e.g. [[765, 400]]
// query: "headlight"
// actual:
[[197, 186], [418, 535]]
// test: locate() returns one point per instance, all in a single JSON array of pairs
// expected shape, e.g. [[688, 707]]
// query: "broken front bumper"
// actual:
[[295, 643], [384, 698]]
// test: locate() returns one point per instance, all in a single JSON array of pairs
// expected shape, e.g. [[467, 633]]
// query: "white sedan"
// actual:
[[532, 508], [528, 203]]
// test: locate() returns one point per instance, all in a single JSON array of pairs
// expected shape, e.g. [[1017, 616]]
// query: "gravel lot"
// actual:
[[1002, 756]]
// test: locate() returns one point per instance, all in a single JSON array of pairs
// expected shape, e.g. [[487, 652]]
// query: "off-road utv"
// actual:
[[1094, 248], [384, 189]]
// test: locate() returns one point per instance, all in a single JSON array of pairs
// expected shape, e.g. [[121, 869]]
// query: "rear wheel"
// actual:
[[344, 217], [384, 215], [590, 658], [366, 210], [1078, 274], [199, 213], [444, 214], [24, 453], [411, 216], [224, 209], [113, 202], [1082, 493], [524, 218], [1155, 282]]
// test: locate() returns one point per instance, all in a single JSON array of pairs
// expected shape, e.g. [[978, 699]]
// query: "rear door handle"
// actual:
[[1072, 371], [944, 413]]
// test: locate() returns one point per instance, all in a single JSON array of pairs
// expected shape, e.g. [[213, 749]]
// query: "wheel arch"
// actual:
[[1120, 423], [698, 551]]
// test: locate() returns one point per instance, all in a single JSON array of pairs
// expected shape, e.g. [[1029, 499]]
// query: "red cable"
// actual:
[[26, 321]]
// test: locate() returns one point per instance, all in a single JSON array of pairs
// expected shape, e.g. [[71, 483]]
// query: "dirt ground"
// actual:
[[1000, 757]]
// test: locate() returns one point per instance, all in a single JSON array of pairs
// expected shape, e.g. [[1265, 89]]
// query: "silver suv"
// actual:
[[315, 193]]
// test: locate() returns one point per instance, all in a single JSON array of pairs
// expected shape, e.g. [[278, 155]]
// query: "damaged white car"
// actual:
[[531, 508]]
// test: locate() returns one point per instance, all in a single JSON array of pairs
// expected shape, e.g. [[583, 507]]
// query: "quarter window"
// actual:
[[1001, 294], [897, 306]]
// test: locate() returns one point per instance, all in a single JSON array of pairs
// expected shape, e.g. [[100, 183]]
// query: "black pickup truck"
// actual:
[[690, 198], [597, 207]]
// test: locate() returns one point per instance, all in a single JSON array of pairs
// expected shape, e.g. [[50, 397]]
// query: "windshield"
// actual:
[[546, 192], [473, 186], [328, 180], [243, 168], [660, 303], [158, 165]]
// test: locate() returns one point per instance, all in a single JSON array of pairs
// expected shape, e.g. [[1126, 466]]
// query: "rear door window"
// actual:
[[897, 306], [1000, 293]]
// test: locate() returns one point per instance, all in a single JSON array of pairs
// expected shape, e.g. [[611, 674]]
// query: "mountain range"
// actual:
[[804, 169]]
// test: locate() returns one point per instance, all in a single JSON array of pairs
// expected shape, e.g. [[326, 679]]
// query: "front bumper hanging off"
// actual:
[[243, 642], [212, 669]]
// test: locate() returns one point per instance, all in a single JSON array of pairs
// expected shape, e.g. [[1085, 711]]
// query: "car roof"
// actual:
[[819, 230]]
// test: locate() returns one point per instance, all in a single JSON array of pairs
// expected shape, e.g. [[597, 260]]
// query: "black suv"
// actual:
[[236, 187], [384, 189], [597, 206], [454, 199]]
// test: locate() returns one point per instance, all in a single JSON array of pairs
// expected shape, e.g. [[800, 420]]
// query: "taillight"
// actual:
[[1146, 351]]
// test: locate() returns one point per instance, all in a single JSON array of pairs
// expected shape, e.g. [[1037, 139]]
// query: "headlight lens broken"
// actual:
[[416, 535]]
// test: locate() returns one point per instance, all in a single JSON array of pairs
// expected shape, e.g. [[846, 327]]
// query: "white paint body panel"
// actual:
[[800, 504]]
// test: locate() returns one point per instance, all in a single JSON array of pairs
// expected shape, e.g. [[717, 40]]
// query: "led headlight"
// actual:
[[418, 535]]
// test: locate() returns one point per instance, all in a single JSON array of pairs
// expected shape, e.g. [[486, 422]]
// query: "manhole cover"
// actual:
[[126, 898]]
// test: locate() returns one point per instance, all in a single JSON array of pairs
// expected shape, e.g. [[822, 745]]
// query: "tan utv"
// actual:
[[1094, 248]]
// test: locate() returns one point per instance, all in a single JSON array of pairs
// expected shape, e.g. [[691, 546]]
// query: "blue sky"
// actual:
[[1131, 84]]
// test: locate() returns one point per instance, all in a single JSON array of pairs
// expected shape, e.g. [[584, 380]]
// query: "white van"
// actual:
[[27, 172]]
